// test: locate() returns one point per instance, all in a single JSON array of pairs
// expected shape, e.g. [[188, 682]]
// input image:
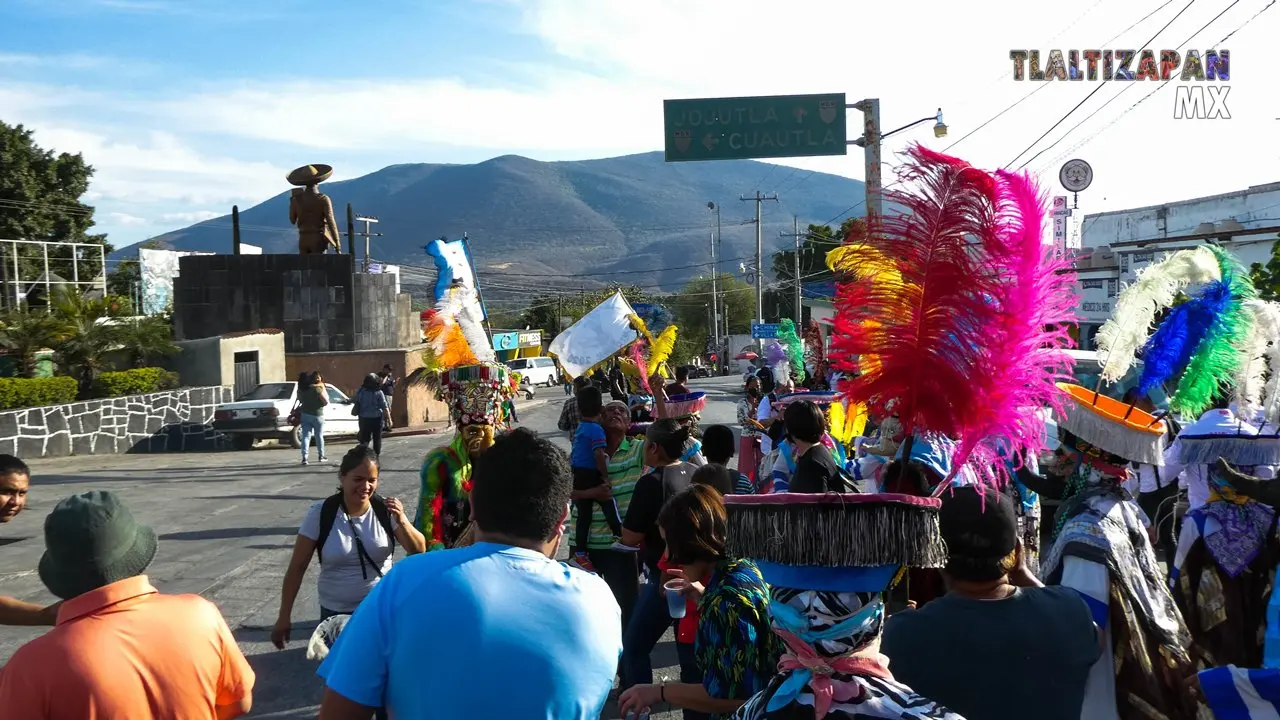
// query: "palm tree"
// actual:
[[84, 335], [147, 338], [24, 334]]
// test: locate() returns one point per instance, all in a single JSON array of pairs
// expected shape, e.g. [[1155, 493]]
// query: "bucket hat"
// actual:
[[92, 540]]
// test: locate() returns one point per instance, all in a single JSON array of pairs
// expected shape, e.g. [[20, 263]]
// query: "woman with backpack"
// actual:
[[353, 535]]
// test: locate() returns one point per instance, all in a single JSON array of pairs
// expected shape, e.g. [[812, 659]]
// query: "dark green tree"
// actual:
[[1266, 278], [147, 339], [40, 195], [544, 310], [691, 308], [779, 300]]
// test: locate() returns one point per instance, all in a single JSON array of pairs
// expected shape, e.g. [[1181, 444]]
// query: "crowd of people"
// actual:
[[889, 542]]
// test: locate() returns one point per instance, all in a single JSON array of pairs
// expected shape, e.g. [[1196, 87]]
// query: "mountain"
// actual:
[[634, 219]]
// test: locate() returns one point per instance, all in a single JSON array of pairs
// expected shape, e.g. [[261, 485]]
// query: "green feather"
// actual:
[[1216, 359], [795, 349]]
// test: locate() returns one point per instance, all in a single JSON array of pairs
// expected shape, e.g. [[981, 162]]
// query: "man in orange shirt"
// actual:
[[120, 649]]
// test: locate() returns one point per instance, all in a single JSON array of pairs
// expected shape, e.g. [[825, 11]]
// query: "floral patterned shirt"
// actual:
[[735, 647], [747, 413]]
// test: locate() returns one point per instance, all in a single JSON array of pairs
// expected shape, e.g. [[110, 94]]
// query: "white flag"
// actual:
[[599, 335]]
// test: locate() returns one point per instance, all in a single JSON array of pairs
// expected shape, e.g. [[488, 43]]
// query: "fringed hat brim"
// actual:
[[1235, 449], [835, 530], [821, 399], [1114, 426], [678, 406]]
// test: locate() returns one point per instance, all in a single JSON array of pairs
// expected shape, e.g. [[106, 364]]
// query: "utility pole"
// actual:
[[759, 200], [351, 232], [367, 220], [795, 235], [715, 270], [870, 142]]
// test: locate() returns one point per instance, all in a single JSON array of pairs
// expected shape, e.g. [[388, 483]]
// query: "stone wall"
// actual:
[[172, 421]]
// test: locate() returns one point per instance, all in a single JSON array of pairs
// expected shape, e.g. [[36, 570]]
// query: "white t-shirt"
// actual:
[[342, 585], [764, 413]]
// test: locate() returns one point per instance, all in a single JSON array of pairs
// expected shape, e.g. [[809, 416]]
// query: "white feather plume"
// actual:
[[1267, 326], [1154, 289], [471, 322], [1263, 332]]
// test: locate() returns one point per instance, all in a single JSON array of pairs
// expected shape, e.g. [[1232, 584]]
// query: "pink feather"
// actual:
[[642, 362], [1035, 302], [958, 343]]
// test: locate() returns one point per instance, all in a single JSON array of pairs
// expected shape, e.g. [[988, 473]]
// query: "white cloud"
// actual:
[[164, 169], [125, 219], [191, 217], [616, 60]]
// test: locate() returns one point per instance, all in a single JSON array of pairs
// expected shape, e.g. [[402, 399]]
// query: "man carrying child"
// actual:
[[590, 461]]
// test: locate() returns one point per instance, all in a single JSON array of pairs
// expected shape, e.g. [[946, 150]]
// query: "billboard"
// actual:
[[158, 268]]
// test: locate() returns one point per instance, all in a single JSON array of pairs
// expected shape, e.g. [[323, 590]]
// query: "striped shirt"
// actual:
[[626, 465]]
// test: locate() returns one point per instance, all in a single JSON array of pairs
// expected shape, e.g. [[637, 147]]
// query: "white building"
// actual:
[[1116, 244]]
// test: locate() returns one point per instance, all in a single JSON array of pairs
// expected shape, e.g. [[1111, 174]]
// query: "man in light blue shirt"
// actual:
[[494, 630]]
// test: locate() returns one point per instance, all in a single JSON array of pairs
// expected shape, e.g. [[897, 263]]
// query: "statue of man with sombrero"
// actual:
[[312, 211]]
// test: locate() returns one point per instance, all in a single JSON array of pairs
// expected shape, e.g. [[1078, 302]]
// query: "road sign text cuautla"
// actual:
[[742, 128]]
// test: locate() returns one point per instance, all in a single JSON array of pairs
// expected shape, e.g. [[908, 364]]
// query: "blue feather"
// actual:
[[1170, 348]]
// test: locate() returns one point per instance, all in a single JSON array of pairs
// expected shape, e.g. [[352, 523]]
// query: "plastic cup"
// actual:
[[675, 599]]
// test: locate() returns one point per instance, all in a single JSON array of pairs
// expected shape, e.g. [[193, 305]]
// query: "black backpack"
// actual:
[[329, 515]]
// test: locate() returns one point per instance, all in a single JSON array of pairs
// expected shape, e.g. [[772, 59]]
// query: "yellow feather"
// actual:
[[629, 368], [661, 348], [864, 263], [638, 324], [845, 425]]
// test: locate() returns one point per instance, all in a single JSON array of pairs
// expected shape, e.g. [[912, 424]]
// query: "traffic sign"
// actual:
[[764, 331], [778, 126]]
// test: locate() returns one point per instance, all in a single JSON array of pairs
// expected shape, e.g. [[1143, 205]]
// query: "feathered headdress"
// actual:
[[1218, 358], [650, 354], [1155, 289], [856, 265], [455, 331], [1264, 351], [789, 340], [967, 332]]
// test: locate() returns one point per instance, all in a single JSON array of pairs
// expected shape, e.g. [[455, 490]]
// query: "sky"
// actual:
[[186, 107]]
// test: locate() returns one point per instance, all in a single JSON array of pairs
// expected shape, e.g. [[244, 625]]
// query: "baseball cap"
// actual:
[[978, 523]]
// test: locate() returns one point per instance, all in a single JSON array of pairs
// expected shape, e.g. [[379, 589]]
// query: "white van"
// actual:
[[536, 370]]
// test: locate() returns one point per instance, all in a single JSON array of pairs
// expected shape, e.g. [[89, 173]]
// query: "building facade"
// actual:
[[1116, 245]]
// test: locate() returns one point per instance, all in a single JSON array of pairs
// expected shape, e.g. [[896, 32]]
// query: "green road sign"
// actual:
[[778, 126]]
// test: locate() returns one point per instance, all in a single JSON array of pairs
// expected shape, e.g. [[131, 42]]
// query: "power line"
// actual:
[[1095, 90], [1159, 87], [1044, 85]]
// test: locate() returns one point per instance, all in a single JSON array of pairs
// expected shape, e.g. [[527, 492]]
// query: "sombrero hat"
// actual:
[[687, 404], [1113, 426], [309, 175]]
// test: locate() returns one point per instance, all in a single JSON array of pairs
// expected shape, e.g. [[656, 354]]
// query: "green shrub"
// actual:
[[34, 392], [138, 381]]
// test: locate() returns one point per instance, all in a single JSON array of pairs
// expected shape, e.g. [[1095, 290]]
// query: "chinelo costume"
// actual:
[[1102, 549], [828, 559], [475, 387], [1223, 573], [952, 318]]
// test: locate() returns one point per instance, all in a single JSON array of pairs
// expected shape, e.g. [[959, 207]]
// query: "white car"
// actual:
[[536, 370], [263, 413]]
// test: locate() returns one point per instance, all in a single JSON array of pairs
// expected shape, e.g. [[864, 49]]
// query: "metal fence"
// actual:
[[35, 266]]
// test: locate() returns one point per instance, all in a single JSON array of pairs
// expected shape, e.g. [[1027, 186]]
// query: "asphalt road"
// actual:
[[226, 523]]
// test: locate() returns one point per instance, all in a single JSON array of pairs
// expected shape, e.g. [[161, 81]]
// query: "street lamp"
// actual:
[[870, 143]]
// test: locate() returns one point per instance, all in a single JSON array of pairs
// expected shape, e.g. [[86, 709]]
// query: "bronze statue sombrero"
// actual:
[[309, 175]]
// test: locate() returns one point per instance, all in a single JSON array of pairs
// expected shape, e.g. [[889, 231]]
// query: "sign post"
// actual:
[[778, 126], [764, 331]]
